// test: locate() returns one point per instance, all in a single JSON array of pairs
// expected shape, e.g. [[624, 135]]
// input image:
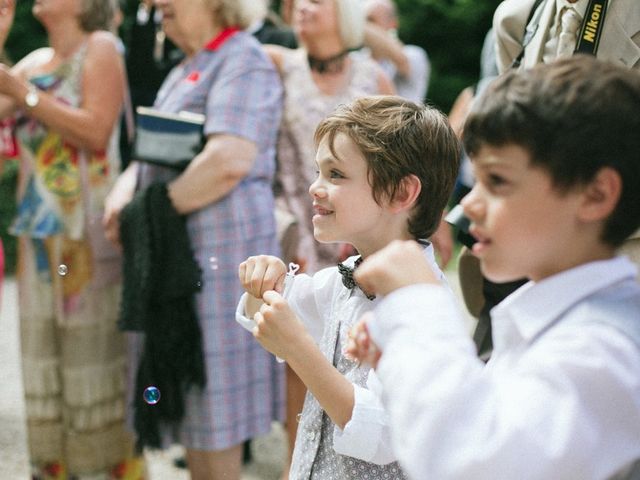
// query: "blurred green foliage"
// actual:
[[452, 33], [7, 210]]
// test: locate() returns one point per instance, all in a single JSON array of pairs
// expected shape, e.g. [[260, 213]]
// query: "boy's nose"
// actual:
[[472, 205], [316, 189], [300, 5]]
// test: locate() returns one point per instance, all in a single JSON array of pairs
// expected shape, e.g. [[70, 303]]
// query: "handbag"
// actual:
[[167, 139]]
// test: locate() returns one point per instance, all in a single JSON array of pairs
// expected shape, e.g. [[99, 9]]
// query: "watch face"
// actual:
[[31, 99]]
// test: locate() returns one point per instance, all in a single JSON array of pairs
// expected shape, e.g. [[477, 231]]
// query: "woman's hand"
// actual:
[[119, 196], [10, 85], [278, 329]]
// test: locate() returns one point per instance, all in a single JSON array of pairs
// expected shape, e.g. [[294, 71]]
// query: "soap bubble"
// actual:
[[62, 270], [151, 395]]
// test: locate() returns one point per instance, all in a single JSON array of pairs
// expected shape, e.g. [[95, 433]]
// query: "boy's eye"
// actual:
[[335, 174], [495, 180]]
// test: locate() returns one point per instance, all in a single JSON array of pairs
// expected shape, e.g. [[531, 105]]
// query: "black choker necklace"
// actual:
[[333, 64]]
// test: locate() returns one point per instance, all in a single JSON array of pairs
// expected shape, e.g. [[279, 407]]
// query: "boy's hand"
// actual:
[[399, 264], [262, 273], [278, 329], [360, 347]]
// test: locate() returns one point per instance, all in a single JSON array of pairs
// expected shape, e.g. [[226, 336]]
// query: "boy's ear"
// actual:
[[601, 195], [407, 193]]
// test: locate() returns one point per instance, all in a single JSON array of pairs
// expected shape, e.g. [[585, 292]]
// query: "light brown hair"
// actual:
[[398, 138]]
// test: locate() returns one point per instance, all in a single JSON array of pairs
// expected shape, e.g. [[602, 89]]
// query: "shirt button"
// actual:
[[312, 435]]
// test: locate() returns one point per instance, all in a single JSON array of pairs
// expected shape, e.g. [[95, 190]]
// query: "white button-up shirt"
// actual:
[[559, 399]]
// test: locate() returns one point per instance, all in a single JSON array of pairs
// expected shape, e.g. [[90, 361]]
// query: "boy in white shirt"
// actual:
[[386, 167], [556, 156]]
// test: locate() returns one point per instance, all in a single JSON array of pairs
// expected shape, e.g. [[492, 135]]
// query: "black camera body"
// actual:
[[460, 222]]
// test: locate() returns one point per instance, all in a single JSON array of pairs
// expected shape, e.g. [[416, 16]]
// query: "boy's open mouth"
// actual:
[[322, 210]]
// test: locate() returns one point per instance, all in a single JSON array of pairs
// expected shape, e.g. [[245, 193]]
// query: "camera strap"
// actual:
[[591, 29]]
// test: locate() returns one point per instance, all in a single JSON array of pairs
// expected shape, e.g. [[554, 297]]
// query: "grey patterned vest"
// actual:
[[314, 456]]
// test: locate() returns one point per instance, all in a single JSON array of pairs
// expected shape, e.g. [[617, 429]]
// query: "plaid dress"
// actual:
[[234, 84]]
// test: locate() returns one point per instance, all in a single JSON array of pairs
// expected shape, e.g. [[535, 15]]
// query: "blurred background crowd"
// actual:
[[451, 32], [82, 195]]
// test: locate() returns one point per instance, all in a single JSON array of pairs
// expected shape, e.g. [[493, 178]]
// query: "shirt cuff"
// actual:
[[424, 309], [366, 436], [241, 318]]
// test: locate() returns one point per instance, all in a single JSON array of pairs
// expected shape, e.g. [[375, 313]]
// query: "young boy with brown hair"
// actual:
[[556, 153], [386, 167]]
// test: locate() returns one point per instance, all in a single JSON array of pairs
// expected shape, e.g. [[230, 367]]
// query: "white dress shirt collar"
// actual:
[[535, 305]]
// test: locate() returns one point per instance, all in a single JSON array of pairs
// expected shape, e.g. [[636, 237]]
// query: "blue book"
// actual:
[[168, 139]]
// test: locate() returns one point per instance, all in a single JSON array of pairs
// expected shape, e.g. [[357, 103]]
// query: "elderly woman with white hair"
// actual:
[[226, 198]]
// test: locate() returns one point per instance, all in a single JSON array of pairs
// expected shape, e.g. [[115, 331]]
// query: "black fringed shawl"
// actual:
[[161, 277]]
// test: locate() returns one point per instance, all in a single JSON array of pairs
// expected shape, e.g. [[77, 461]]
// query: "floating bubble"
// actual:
[[151, 395], [62, 270], [213, 263]]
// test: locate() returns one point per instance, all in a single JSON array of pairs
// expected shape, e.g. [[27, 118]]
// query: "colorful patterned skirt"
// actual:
[[74, 364]]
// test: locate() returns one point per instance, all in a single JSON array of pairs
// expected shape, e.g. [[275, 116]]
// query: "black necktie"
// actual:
[[347, 277]]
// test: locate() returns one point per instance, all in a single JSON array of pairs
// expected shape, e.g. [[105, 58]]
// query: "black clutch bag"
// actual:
[[167, 139]]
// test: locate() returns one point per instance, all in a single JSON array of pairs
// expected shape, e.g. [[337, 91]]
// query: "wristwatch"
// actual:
[[31, 99]]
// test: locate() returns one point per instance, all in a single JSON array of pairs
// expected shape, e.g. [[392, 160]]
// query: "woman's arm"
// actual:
[[90, 125], [385, 85], [383, 45], [213, 173], [276, 54], [120, 195]]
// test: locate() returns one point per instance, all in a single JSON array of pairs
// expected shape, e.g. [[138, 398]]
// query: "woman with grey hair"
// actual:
[[225, 196], [66, 100]]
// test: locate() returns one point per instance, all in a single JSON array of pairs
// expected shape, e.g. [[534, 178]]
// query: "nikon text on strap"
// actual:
[[591, 29]]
